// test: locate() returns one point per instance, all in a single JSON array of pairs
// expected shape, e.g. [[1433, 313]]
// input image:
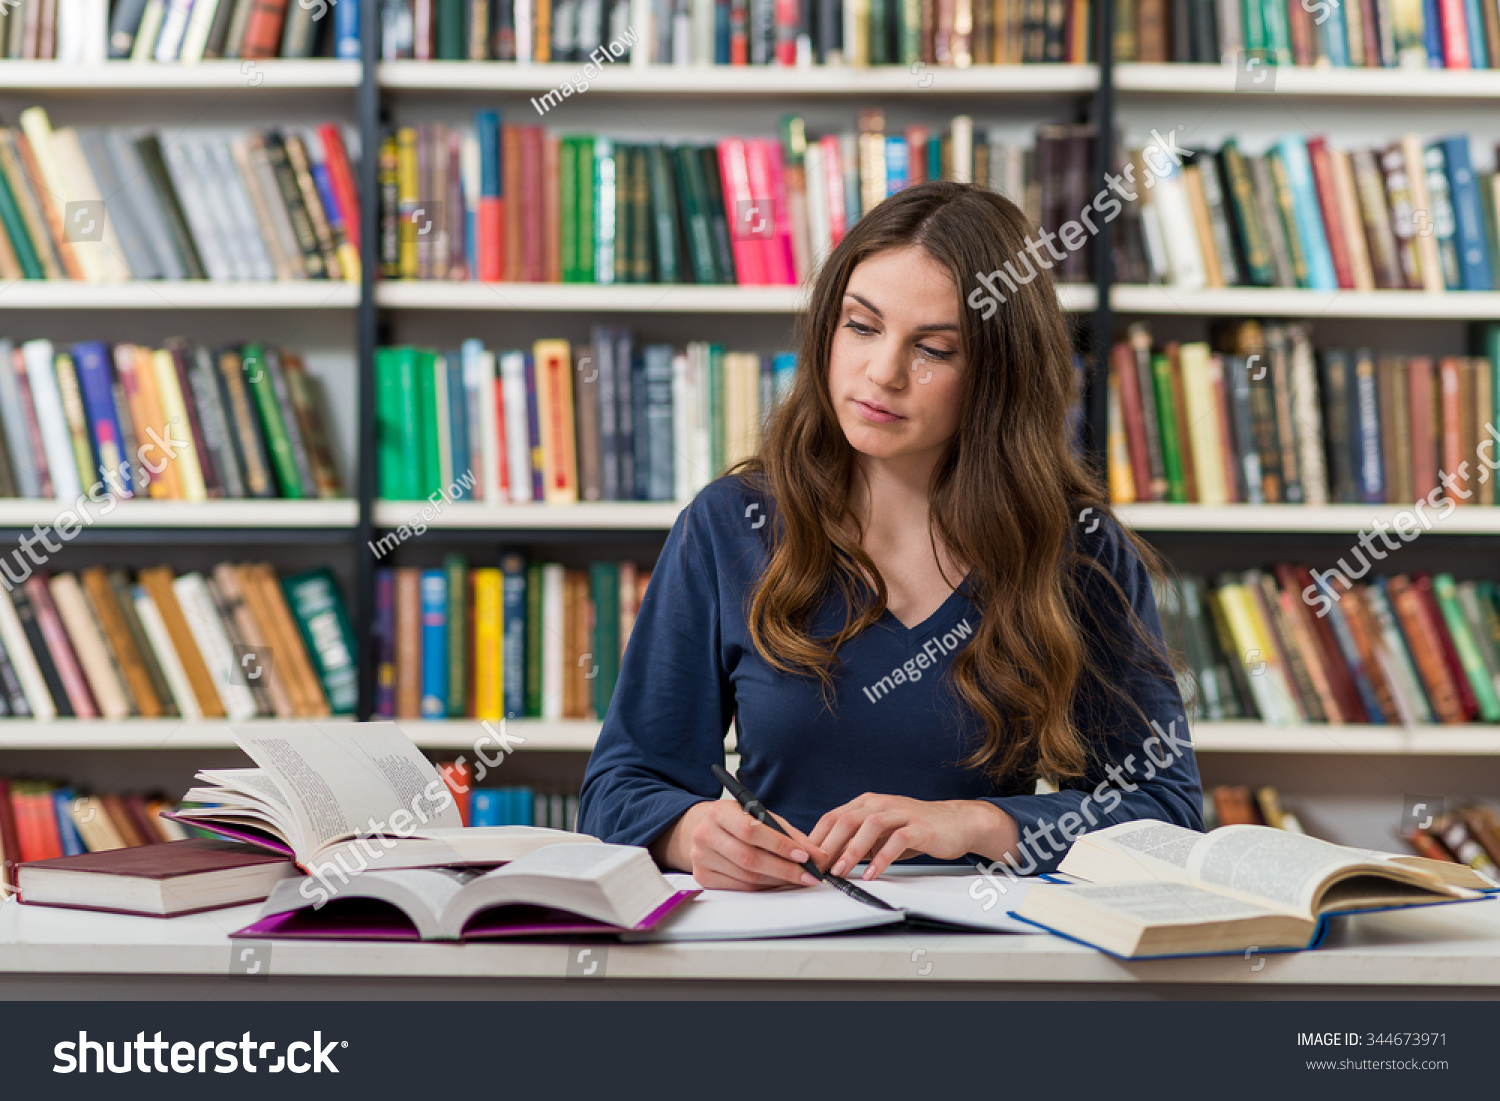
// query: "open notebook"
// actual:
[[962, 903]]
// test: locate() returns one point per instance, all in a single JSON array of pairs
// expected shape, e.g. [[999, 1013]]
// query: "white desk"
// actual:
[[1445, 953]]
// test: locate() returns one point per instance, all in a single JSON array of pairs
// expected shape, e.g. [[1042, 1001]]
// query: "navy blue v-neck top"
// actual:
[[897, 725]]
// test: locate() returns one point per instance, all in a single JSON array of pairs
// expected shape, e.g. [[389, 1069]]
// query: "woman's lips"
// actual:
[[877, 414]]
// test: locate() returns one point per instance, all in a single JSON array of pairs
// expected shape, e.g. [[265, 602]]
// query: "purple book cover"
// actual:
[[379, 921], [534, 430], [91, 361], [385, 643]]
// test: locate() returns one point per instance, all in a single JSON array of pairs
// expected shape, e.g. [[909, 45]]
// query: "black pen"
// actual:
[[756, 809]]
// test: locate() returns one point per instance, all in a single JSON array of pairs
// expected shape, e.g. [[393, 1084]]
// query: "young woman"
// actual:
[[914, 601]]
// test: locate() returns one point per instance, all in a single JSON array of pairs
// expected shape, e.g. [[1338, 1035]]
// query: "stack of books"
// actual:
[[1442, 34], [1468, 833], [1266, 419], [515, 203], [1293, 645], [1409, 214], [607, 421], [238, 643], [521, 640], [106, 205], [90, 32], [738, 32], [180, 422]]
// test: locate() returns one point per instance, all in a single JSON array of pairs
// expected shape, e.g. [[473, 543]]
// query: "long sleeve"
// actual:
[[1147, 768], [672, 703]]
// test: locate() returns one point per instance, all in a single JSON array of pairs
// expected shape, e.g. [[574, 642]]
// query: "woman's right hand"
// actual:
[[726, 849]]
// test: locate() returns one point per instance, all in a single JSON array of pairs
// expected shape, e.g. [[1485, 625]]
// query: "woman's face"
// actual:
[[895, 370]]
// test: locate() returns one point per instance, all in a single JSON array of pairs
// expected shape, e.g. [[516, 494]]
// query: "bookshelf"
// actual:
[[351, 320]]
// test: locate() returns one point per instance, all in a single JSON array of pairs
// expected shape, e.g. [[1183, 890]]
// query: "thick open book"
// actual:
[[957, 903], [342, 798], [1155, 889], [585, 888]]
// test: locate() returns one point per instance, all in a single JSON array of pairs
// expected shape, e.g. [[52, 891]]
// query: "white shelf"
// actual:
[[48, 294], [189, 514], [1287, 302], [723, 80], [166, 734], [604, 516], [631, 297], [1471, 739], [124, 76], [1344, 519], [1291, 80]]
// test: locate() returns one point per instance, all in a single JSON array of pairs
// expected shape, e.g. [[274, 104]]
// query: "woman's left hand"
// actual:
[[887, 828]]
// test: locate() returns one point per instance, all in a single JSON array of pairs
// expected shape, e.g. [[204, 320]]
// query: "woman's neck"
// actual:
[[892, 498]]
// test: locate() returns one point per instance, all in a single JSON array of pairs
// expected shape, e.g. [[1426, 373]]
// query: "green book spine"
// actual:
[[641, 245], [15, 229], [451, 45], [1288, 207], [911, 32], [1166, 421], [716, 408], [272, 426], [1255, 29], [879, 16], [533, 640], [624, 246], [690, 189], [605, 183], [431, 477], [1489, 609], [587, 183], [1463, 644], [389, 427], [314, 600], [718, 220], [664, 212], [1252, 235], [460, 652], [567, 201], [1278, 32], [604, 587], [410, 438]]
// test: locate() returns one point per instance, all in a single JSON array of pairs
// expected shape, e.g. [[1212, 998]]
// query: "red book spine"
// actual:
[[788, 18], [1123, 360], [833, 181], [1455, 34], [531, 205], [1422, 583], [510, 162], [336, 158], [263, 29], [784, 263], [489, 239], [502, 444], [740, 211], [45, 809], [1333, 226], [10, 839], [68, 670], [28, 836]]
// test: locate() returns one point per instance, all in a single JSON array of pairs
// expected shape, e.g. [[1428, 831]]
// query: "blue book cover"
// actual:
[[1309, 217], [1474, 17], [525, 807], [1468, 214], [1349, 649], [324, 186], [513, 632], [62, 803], [1432, 34], [91, 361], [1335, 35], [346, 30], [458, 430], [1364, 427], [484, 807], [897, 164], [434, 644], [656, 423], [534, 430]]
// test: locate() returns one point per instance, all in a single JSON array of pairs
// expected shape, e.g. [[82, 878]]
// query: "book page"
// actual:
[[1166, 903], [1282, 868], [342, 780]]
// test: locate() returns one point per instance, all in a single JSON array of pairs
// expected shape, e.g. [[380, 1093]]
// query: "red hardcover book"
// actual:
[[1455, 34], [1340, 681], [10, 839], [788, 18], [29, 844], [44, 808], [748, 224], [456, 776], [1123, 359], [60, 648], [489, 239], [263, 29], [1422, 583], [551, 208], [501, 444], [533, 263], [1328, 203], [1426, 650], [510, 161], [341, 176]]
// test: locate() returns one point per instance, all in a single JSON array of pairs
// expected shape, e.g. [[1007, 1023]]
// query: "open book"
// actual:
[[586, 888], [1155, 889], [339, 798]]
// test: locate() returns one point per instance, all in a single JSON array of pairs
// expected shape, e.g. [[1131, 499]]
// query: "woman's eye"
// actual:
[[862, 330], [934, 353]]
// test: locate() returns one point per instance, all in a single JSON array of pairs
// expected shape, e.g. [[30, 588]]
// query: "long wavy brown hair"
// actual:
[[1005, 497]]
